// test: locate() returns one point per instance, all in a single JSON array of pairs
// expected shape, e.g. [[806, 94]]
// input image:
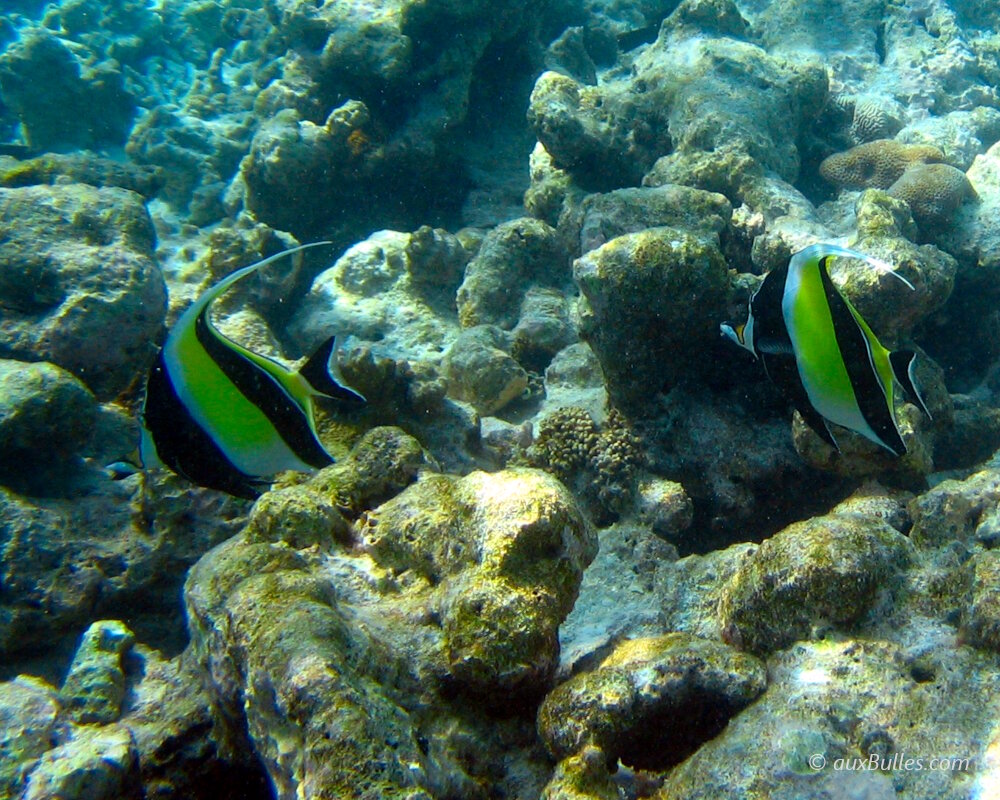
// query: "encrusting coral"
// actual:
[[875, 165]]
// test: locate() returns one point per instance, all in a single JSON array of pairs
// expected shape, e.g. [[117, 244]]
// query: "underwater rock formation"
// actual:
[[78, 262], [454, 586], [45, 415], [680, 99], [512, 257], [645, 348], [622, 707], [157, 740], [481, 370], [82, 105], [826, 570]]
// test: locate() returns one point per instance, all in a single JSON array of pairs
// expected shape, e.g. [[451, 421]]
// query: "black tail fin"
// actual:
[[903, 362], [317, 372]]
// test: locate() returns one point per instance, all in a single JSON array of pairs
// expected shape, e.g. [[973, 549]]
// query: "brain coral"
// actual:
[[872, 120], [875, 165], [934, 192]]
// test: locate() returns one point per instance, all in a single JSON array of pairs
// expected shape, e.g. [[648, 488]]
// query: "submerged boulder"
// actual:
[[453, 588], [77, 266], [650, 308]]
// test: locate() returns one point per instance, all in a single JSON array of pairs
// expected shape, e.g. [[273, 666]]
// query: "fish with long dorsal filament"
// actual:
[[820, 352], [227, 418]]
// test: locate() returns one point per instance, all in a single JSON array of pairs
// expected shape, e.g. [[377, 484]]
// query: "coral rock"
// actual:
[[46, 415], [76, 262], [97, 763], [623, 707], [481, 372], [95, 685], [826, 570], [980, 623], [513, 256], [650, 309]]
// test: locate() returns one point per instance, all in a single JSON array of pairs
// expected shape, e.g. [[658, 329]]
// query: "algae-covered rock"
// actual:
[[650, 309], [526, 544], [512, 257], [822, 571], [76, 262], [652, 701], [831, 705], [455, 587], [544, 328], [381, 463], [701, 87], [95, 685], [482, 372], [603, 217], [665, 507], [46, 415], [391, 289], [97, 763], [67, 561], [980, 623], [582, 776], [954, 509], [84, 167], [29, 724]]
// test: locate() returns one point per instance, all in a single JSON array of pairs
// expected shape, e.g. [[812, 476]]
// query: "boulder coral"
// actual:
[[934, 193], [875, 165]]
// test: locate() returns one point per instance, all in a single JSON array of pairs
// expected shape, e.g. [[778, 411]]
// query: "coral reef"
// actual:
[[574, 545], [490, 563], [83, 105]]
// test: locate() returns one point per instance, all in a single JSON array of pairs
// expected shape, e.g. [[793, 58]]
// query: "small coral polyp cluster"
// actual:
[[601, 462]]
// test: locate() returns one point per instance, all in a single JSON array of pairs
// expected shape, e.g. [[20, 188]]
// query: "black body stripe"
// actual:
[[853, 344], [181, 443], [784, 373], [264, 392], [765, 307]]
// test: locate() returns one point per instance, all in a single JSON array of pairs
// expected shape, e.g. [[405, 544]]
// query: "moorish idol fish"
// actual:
[[821, 354], [227, 418]]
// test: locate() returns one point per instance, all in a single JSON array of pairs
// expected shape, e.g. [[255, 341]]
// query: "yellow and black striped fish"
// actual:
[[227, 418], [820, 352]]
